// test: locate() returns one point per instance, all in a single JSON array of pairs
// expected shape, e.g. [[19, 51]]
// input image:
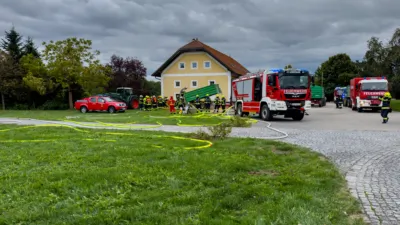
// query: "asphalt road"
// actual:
[[330, 118]]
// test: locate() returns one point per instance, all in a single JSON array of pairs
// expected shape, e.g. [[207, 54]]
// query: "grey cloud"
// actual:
[[257, 33]]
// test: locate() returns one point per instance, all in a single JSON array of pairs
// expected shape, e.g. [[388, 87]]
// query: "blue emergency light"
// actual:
[[365, 78], [304, 70], [276, 70]]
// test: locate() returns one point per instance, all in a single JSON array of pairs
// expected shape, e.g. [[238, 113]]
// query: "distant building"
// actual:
[[197, 65]]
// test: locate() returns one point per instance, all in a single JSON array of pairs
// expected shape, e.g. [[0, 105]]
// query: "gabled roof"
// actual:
[[197, 46]]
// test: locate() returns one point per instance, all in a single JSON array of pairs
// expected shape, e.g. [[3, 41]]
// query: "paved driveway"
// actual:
[[365, 150]]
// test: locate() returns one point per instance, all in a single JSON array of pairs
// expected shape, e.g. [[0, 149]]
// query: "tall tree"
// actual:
[[10, 76], [330, 70], [129, 72], [375, 58], [30, 48], [65, 63], [12, 44]]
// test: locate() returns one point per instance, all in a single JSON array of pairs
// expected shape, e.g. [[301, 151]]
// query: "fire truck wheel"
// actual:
[[240, 110], [265, 113], [298, 116]]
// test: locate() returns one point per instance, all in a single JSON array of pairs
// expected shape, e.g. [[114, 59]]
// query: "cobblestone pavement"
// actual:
[[366, 151]]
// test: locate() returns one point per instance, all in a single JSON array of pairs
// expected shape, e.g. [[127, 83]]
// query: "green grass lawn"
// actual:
[[131, 116], [395, 104], [102, 177]]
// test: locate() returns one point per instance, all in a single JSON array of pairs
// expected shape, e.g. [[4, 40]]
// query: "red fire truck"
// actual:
[[273, 92], [365, 92]]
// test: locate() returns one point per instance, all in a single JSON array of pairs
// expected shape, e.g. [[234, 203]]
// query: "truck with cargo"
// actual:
[[365, 92], [273, 92], [318, 96]]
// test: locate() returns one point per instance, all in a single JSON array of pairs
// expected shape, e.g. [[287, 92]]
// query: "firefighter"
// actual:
[[154, 102], [148, 103], [171, 104], [165, 101], [180, 104], [385, 106], [141, 102], [207, 103], [217, 104], [160, 101], [197, 103], [223, 103]]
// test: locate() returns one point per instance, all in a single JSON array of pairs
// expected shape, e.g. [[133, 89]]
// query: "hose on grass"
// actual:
[[205, 143]]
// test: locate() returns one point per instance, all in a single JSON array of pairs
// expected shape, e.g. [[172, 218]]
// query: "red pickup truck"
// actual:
[[99, 103]]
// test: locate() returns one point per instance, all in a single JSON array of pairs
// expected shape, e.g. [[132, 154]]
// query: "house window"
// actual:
[[194, 65], [211, 82], [177, 83], [193, 83], [207, 64], [181, 65]]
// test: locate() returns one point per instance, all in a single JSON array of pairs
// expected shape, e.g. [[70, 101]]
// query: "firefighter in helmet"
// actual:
[[207, 103], [154, 102], [223, 103], [217, 104], [171, 104], [160, 101], [148, 103], [180, 104], [385, 106], [141, 102], [197, 103]]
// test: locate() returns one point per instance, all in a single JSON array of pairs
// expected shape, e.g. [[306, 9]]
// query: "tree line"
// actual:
[[380, 59], [65, 70]]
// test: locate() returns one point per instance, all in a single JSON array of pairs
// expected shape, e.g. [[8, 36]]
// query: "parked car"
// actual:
[[99, 104]]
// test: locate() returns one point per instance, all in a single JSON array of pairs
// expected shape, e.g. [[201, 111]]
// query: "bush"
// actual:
[[237, 121], [54, 105], [220, 131], [18, 106]]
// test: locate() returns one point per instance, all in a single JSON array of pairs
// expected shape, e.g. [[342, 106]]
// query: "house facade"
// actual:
[[197, 65]]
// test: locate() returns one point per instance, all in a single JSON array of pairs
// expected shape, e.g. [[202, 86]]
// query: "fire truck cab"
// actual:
[[273, 92]]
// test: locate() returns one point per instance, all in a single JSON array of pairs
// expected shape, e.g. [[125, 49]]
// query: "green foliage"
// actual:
[[71, 62], [54, 105], [36, 77], [288, 66], [30, 48], [12, 44], [10, 76], [237, 121], [151, 87]]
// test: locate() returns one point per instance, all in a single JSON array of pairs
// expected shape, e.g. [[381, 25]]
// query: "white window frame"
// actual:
[[180, 83], [204, 65], [191, 84], [209, 82], [176, 93], [191, 65], [179, 65]]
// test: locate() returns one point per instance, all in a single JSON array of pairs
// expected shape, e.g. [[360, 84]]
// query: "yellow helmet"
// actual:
[[387, 94]]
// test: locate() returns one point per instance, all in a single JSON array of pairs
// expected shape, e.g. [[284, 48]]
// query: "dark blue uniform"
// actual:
[[385, 107]]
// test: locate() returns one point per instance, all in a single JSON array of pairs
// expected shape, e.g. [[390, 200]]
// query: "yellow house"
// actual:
[[197, 65]]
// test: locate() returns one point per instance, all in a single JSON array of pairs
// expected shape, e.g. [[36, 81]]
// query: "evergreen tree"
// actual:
[[30, 48], [12, 44]]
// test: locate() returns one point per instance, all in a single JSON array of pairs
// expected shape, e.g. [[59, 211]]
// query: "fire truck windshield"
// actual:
[[293, 81], [374, 86]]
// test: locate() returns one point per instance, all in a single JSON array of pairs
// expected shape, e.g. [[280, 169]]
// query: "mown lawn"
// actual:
[[161, 116], [395, 104], [71, 177]]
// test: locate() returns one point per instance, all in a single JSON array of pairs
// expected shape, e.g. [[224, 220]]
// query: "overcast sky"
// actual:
[[258, 33]]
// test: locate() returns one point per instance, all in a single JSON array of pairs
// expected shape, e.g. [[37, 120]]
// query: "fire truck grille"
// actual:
[[294, 96], [372, 97]]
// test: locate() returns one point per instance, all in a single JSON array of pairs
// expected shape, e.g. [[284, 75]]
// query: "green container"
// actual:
[[202, 92], [317, 92]]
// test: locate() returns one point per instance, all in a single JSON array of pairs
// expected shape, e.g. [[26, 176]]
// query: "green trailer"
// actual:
[[211, 90], [318, 96]]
